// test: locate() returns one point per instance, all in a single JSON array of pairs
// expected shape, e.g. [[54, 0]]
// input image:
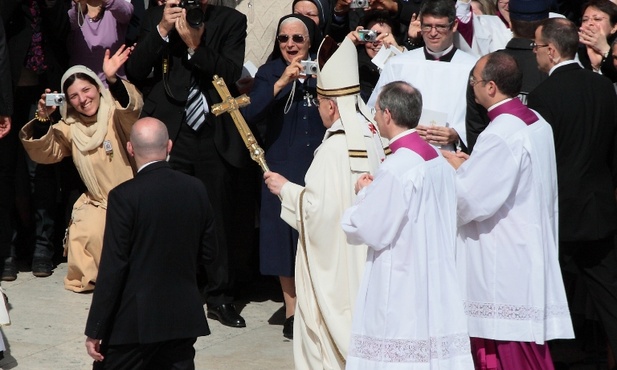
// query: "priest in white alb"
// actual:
[[328, 269], [409, 312], [507, 215], [440, 71]]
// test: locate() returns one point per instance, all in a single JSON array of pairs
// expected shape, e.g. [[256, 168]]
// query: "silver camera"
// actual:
[[52, 99], [357, 4], [309, 67], [368, 35]]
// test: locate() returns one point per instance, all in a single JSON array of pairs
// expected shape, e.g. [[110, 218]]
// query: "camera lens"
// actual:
[[194, 17]]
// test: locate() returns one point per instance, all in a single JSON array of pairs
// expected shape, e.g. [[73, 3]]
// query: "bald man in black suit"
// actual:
[[147, 309]]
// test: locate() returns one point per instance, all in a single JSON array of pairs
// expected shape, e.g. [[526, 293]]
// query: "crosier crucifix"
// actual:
[[231, 105]]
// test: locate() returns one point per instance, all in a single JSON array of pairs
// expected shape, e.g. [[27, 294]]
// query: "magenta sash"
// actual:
[[414, 143], [515, 108]]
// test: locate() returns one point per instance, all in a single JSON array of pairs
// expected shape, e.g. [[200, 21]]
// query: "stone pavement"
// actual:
[[47, 326]]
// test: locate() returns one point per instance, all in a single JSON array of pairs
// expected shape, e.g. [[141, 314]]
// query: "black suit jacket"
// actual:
[[221, 53], [6, 89], [159, 229], [581, 107]]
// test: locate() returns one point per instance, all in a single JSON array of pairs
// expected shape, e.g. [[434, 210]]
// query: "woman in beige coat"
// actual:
[[94, 129]]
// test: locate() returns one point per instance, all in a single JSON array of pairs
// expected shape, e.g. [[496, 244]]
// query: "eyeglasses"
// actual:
[[441, 28], [317, 101], [473, 82], [298, 39], [375, 110], [535, 46]]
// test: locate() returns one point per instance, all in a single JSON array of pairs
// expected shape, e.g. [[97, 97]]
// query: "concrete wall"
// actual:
[[263, 16]]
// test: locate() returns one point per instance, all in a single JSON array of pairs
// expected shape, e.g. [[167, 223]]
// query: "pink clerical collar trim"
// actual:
[[414, 143], [515, 108]]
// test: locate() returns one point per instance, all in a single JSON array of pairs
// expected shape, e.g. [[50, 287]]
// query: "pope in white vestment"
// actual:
[[328, 269]]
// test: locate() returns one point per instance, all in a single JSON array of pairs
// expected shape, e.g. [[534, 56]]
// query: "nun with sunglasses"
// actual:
[[284, 106]]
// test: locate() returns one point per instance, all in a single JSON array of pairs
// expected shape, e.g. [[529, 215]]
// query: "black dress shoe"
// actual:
[[227, 315], [41, 267], [288, 327], [9, 271]]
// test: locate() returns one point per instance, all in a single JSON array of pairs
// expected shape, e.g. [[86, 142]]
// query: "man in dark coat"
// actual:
[[525, 16], [581, 107], [146, 309], [185, 58]]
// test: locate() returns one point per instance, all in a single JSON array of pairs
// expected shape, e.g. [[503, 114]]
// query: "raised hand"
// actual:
[[112, 63], [414, 32]]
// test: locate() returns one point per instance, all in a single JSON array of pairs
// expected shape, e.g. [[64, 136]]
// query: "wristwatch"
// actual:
[[190, 51]]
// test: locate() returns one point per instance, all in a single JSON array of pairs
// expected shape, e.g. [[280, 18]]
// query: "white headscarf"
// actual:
[[88, 133]]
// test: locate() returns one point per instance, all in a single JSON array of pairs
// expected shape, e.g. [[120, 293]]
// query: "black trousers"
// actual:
[[177, 354], [597, 265], [29, 191], [194, 153]]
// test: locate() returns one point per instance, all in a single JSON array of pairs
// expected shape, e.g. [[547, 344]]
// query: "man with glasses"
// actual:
[[440, 71], [507, 211], [409, 295], [328, 268], [581, 106], [525, 16]]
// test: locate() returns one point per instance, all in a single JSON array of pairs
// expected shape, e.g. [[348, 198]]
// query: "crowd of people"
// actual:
[[440, 192]]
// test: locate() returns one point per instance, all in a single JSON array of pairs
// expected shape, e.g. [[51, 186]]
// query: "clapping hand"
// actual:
[[593, 38]]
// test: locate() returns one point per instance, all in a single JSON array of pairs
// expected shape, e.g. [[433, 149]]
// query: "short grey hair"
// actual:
[[403, 101]]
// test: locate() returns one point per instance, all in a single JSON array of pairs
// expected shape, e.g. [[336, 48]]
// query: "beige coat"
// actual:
[[84, 239]]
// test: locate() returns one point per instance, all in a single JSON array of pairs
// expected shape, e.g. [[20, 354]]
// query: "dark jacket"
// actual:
[[581, 107], [159, 228], [221, 53]]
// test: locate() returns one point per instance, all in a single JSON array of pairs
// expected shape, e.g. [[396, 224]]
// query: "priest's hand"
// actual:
[[274, 182], [441, 135], [455, 159], [93, 346], [363, 181]]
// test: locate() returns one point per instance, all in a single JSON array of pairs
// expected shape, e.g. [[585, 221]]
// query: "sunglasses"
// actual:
[[298, 39]]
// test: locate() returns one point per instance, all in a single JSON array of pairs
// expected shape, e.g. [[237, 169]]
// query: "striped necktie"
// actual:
[[195, 107]]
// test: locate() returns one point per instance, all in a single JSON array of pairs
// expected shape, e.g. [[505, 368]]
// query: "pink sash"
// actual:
[[515, 108], [414, 143]]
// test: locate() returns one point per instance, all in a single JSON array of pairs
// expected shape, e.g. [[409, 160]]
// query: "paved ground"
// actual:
[[48, 324]]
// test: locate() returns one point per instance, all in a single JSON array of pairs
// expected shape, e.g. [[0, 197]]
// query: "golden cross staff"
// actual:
[[231, 105]]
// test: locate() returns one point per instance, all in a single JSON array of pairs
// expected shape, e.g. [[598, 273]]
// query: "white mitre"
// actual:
[[337, 77]]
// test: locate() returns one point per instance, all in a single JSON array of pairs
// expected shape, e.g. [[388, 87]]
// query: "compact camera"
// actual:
[[53, 99], [357, 4], [368, 35], [194, 14], [309, 67]]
